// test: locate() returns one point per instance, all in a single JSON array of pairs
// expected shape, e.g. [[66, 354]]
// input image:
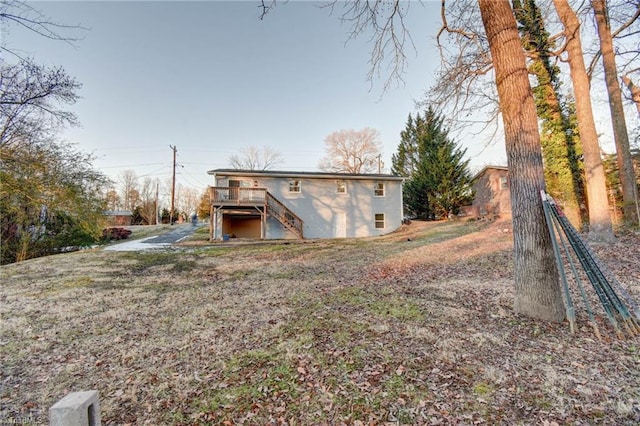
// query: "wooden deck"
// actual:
[[232, 196], [226, 198]]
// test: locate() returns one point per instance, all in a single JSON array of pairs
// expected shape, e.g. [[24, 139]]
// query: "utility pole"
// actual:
[[157, 205], [173, 184]]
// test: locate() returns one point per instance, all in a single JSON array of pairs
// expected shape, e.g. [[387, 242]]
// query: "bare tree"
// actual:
[[600, 227], [634, 91], [386, 20], [537, 285], [148, 203], [626, 14], [23, 15], [463, 84], [112, 200], [188, 200], [462, 87], [129, 189], [563, 173], [352, 151], [630, 207], [384, 24], [623, 14], [254, 158], [30, 96], [42, 179]]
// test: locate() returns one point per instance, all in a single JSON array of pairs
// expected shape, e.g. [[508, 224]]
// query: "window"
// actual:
[[503, 182], [378, 190], [341, 187], [294, 185], [379, 220]]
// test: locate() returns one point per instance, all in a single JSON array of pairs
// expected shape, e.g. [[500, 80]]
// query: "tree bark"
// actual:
[[630, 209], [558, 135], [600, 228], [633, 90], [536, 277]]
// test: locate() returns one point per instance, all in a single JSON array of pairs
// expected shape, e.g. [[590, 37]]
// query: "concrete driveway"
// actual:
[[163, 241]]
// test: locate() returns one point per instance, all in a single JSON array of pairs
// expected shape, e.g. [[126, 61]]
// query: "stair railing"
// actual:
[[284, 215]]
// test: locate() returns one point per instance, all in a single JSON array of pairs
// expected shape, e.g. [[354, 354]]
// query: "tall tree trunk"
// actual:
[[633, 90], [630, 208], [563, 173], [600, 228], [536, 277]]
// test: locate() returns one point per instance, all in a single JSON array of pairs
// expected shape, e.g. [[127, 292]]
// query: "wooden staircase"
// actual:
[[285, 216]]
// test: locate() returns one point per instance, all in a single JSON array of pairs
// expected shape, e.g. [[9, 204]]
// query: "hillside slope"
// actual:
[[412, 328]]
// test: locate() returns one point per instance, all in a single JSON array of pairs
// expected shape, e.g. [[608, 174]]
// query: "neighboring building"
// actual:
[[492, 194], [118, 217], [279, 205]]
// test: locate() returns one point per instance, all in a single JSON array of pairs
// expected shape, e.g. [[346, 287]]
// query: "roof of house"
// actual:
[[294, 174], [485, 168]]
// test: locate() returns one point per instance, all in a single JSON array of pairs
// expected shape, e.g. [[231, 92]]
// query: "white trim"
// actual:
[[299, 186], [376, 188], [299, 175]]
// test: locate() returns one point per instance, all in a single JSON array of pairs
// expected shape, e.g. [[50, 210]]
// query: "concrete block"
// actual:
[[76, 409]]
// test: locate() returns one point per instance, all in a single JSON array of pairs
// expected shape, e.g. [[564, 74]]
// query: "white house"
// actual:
[[278, 205]]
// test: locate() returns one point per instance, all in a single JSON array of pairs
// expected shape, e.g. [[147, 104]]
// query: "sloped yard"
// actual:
[[412, 328]]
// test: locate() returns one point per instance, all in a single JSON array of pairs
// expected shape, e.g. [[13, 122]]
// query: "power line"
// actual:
[[185, 173], [133, 165], [151, 173]]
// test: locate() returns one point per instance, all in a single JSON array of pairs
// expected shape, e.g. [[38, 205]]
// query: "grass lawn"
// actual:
[[415, 327]]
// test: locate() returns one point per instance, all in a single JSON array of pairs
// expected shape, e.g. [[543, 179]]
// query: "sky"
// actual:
[[211, 78]]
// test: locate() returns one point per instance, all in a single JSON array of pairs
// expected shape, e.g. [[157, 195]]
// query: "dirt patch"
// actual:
[[412, 328]]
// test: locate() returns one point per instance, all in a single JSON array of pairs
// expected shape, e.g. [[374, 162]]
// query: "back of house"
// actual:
[[281, 205]]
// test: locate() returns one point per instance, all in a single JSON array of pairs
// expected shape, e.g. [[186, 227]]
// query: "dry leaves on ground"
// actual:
[[412, 328]]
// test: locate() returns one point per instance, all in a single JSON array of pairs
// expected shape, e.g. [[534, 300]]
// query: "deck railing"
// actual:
[[238, 195], [285, 216]]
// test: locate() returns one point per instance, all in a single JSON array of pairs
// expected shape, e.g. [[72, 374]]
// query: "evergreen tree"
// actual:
[[416, 199], [562, 169], [165, 216], [438, 179], [403, 163]]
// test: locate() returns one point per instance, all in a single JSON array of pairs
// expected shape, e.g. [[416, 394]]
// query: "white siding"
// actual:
[[318, 204]]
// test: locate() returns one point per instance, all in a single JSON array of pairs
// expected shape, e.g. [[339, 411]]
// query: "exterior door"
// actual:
[[234, 190]]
